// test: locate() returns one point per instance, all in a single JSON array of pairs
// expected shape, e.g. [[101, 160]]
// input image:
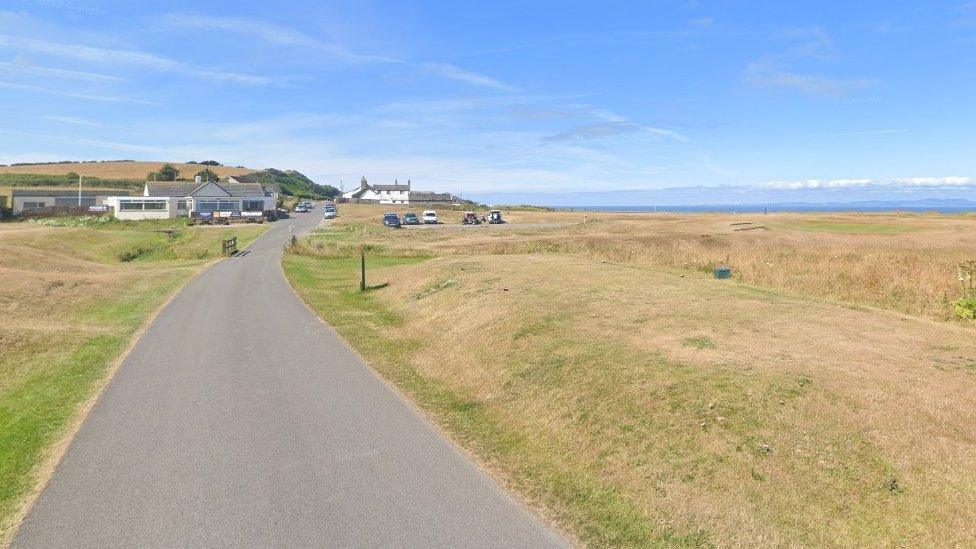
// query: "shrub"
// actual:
[[965, 308]]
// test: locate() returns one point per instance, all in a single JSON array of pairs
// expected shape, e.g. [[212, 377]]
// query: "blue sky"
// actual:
[[502, 96]]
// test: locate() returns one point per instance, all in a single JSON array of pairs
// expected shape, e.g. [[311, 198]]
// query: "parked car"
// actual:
[[470, 218], [300, 208], [329, 214], [281, 213], [411, 218], [430, 217], [495, 217], [308, 205], [391, 220]]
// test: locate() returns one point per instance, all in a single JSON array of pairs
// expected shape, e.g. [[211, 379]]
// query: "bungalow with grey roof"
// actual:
[[169, 199]]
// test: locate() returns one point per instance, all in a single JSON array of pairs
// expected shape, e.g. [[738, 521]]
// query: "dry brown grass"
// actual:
[[743, 412], [120, 170], [911, 268]]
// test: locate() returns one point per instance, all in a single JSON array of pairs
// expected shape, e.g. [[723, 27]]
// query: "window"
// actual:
[[138, 205], [217, 205], [181, 204], [73, 201], [33, 205], [254, 205]]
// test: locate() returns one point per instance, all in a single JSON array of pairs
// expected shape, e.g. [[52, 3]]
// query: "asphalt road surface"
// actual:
[[240, 420]]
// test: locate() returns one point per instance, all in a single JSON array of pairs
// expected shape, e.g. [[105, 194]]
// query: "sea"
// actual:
[[777, 208]]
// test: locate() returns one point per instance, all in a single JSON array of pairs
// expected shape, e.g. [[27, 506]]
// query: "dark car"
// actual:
[[411, 219], [391, 220]]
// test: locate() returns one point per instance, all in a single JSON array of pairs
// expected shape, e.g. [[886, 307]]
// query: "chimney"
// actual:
[[362, 183]]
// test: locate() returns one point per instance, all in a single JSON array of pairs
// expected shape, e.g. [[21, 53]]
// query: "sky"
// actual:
[[503, 96]]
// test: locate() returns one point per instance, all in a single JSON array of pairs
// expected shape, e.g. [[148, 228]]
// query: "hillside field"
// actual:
[[823, 396], [118, 170]]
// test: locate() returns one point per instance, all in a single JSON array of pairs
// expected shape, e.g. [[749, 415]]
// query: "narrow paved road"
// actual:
[[240, 420]]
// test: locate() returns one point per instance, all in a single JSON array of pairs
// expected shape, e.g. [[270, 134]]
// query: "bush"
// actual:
[[965, 308]]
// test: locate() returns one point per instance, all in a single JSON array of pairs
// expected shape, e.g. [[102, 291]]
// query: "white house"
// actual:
[[381, 194], [169, 199]]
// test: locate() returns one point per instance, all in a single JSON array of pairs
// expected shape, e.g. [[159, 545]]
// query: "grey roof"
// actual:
[[171, 188], [67, 192], [390, 187], [249, 190], [189, 188], [249, 178]]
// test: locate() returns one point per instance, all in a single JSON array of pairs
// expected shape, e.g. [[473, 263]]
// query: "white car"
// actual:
[[329, 213], [430, 217]]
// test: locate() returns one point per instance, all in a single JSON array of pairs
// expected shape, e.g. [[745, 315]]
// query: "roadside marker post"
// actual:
[[362, 271]]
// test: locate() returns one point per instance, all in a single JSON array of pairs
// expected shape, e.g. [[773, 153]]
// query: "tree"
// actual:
[[167, 173], [72, 177], [207, 175]]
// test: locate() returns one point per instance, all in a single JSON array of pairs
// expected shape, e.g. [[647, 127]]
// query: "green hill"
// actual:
[[293, 183]]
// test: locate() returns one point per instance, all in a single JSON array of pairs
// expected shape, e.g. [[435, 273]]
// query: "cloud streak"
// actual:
[[613, 129], [777, 70], [113, 57], [285, 36], [58, 73], [76, 95]]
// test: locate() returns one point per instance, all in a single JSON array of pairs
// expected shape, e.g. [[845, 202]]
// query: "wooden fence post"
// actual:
[[362, 271]]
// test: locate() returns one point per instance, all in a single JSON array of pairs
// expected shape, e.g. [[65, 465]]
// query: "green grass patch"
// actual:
[[698, 342]]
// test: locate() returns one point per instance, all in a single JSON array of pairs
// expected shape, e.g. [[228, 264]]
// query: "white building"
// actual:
[[169, 199], [381, 194]]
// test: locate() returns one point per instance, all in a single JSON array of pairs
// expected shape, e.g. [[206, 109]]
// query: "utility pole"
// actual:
[[79, 188]]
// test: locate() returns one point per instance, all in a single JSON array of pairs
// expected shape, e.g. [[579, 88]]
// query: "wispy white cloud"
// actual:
[[808, 44], [115, 57], [613, 129], [285, 36], [111, 145], [273, 34], [940, 181], [447, 70], [79, 121], [76, 95], [770, 71], [57, 73]]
